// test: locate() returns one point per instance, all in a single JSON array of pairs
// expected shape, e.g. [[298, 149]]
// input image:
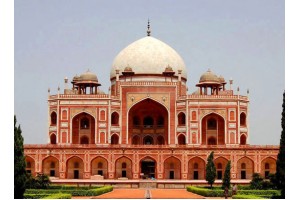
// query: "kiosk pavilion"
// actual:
[[148, 126]]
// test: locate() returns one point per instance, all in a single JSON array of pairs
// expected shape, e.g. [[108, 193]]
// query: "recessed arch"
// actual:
[[243, 139], [148, 140], [99, 166], [50, 166], [220, 163], [213, 125], [53, 138], [243, 118], [115, 139], [181, 119], [245, 168], [75, 167], [196, 168], [148, 117], [30, 165], [268, 166], [123, 171], [53, 118], [136, 140], [172, 168], [115, 118], [181, 139], [83, 124], [148, 167]]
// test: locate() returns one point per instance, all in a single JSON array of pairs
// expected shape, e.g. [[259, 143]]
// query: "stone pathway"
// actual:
[[154, 194]]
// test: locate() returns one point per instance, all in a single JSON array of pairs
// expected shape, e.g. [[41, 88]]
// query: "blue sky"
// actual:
[[242, 40]]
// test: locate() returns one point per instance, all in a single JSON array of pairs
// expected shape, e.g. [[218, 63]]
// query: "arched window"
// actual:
[[148, 140], [212, 141], [53, 118], [160, 121], [196, 166], [114, 139], [212, 124], [243, 119], [52, 165], [181, 139], [100, 164], [124, 165], [84, 123], [267, 170], [76, 165], [148, 121], [115, 118], [84, 140], [243, 166], [243, 140], [172, 166], [136, 121], [181, 119], [219, 166], [53, 138]]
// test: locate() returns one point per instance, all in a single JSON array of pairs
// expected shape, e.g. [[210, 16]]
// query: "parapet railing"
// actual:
[[145, 146]]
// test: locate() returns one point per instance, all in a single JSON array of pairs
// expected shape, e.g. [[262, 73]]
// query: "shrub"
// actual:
[[59, 196], [240, 196], [35, 196], [244, 187], [207, 192], [41, 181], [259, 192], [256, 182]]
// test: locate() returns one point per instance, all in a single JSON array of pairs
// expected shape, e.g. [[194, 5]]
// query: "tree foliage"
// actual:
[[226, 178], [280, 163], [211, 173], [19, 163], [256, 182]]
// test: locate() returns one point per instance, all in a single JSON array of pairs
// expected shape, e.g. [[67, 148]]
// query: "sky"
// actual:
[[242, 40]]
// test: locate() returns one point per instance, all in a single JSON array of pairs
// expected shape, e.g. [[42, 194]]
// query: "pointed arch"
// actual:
[[115, 118], [123, 167], [114, 139], [196, 168], [30, 165], [213, 126], [245, 168], [99, 166], [181, 139], [83, 124], [243, 139], [75, 167], [268, 166], [53, 138], [181, 119], [220, 163], [53, 117], [243, 118], [172, 168], [50, 166], [148, 167]]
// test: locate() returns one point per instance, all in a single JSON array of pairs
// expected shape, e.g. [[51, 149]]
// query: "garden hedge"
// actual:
[[207, 192], [59, 196], [259, 192], [244, 196], [35, 196]]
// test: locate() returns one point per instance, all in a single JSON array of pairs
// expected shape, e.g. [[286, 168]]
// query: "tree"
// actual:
[[226, 178], [19, 163], [256, 182], [210, 170], [280, 163]]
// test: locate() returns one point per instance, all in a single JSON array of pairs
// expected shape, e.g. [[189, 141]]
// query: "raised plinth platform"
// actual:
[[163, 184]]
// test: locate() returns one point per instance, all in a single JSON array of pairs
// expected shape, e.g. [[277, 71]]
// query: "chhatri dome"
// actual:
[[148, 55]]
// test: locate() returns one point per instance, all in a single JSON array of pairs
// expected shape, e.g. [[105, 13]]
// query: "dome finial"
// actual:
[[148, 31]]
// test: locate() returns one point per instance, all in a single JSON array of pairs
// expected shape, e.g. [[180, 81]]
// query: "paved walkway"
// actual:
[[154, 194]]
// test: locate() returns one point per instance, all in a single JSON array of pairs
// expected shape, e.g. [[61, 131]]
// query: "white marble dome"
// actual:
[[148, 55]]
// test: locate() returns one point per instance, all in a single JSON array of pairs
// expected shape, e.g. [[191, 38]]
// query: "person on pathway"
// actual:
[[226, 192], [234, 189]]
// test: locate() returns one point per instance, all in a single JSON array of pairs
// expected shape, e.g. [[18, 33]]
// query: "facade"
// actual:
[[148, 126]]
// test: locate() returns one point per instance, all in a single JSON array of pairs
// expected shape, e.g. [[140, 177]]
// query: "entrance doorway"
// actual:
[[76, 174], [148, 168]]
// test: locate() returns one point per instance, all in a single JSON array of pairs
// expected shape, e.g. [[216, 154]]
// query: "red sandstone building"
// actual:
[[148, 125]]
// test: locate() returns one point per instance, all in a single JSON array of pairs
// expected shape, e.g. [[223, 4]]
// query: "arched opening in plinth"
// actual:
[[148, 119], [196, 169], [148, 166], [220, 164], [99, 166], [123, 168], [51, 166], [245, 168], [213, 129], [172, 168], [30, 165], [83, 129], [268, 166], [75, 168]]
